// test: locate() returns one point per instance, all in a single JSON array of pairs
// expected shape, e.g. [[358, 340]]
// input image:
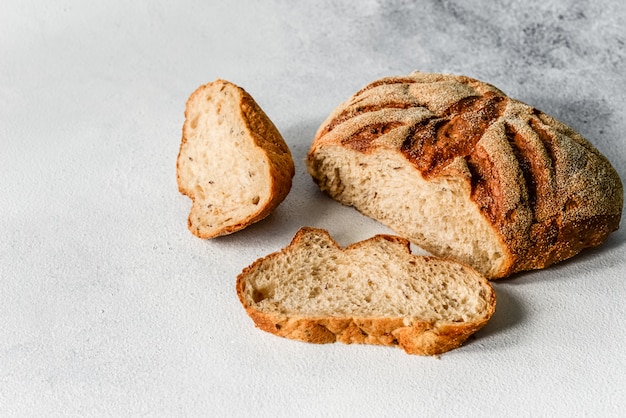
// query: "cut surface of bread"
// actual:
[[233, 163], [464, 171], [373, 292]]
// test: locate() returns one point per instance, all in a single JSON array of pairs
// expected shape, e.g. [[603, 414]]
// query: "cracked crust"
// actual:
[[545, 191], [268, 288]]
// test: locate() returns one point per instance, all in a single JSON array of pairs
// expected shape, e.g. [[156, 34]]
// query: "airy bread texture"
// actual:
[[462, 170], [373, 292], [233, 163]]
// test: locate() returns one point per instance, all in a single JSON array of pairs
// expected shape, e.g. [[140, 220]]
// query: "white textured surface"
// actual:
[[110, 307]]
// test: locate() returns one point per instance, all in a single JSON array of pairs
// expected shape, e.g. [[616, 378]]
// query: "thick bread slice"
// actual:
[[372, 292], [464, 171], [233, 163]]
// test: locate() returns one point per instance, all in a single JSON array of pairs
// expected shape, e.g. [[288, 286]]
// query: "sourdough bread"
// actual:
[[464, 171], [233, 163], [372, 292]]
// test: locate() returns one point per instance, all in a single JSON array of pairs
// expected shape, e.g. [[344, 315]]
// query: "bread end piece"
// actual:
[[372, 292], [466, 172], [233, 162]]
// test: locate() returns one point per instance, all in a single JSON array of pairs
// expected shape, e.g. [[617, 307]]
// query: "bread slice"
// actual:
[[233, 163], [373, 292], [464, 171]]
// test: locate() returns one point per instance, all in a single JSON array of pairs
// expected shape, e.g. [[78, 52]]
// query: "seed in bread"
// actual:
[[233, 163], [464, 171], [372, 292]]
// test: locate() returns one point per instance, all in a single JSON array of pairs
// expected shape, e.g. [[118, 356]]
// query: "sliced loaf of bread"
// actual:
[[233, 163], [464, 171], [372, 292]]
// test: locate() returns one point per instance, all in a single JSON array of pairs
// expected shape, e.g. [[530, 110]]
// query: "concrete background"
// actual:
[[110, 307]]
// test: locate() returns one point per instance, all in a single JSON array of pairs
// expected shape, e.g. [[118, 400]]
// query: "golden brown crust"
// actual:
[[265, 136], [546, 190], [418, 337], [421, 338]]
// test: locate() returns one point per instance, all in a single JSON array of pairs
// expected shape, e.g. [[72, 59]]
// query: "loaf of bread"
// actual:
[[372, 292], [233, 163], [464, 171]]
